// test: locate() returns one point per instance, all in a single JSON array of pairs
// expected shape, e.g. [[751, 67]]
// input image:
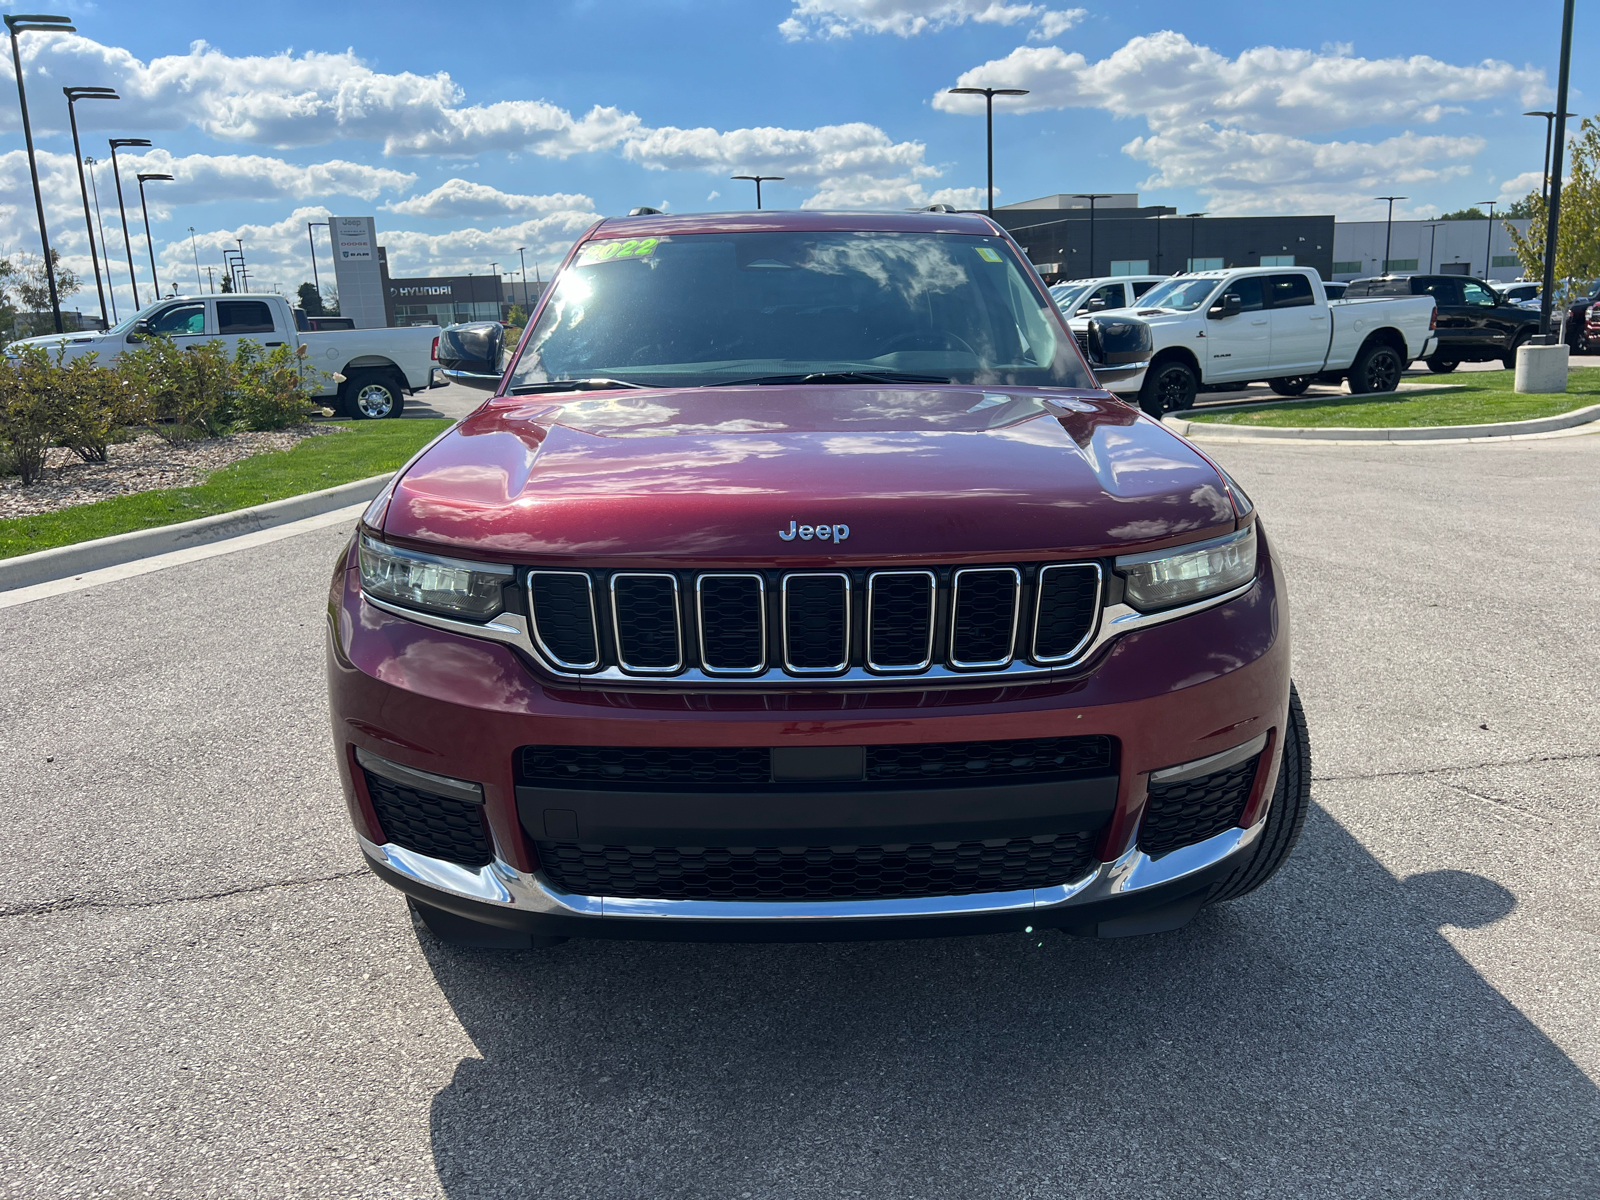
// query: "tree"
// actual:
[[1578, 243], [28, 291], [227, 283], [330, 300], [517, 317], [1464, 214], [311, 300]]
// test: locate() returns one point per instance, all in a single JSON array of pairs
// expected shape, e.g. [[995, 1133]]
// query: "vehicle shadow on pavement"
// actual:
[[1319, 1038]]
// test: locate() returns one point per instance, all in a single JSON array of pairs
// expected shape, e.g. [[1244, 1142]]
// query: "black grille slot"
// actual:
[[816, 622], [962, 761], [733, 633], [1180, 814], [917, 764], [438, 826], [819, 872], [1069, 604], [900, 623], [645, 609], [646, 766], [563, 617], [1082, 338], [983, 624]]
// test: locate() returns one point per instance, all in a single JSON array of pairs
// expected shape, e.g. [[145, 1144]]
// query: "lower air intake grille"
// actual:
[[438, 826], [1180, 814], [818, 872], [733, 630], [917, 764], [900, 620]]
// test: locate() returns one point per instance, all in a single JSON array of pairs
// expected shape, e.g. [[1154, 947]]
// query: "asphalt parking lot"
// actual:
[[205, 994]]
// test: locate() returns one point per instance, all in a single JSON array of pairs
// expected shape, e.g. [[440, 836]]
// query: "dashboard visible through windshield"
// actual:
[[710, 309]]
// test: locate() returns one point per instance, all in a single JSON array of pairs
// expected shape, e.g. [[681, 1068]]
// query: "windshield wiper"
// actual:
[[833, 377], [594, 384]]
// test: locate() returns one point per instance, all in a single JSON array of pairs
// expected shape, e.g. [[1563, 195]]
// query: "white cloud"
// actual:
[[458, 198], [204, 178], [908, 18], [809, 155], [1519, 186], [1237, 129]]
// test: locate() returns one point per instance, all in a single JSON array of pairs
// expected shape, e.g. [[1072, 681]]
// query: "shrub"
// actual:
[[185, 393], [97, 404], [28, 411], [269, 389]]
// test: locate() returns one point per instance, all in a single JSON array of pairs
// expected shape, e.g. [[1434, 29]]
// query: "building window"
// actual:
[[1399, 264], [1130, 266], [1505, 260], [1347, 268], [1277, 260], [1205, 264]]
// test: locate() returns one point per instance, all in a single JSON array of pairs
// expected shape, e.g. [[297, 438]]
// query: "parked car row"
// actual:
[[1477, 323]]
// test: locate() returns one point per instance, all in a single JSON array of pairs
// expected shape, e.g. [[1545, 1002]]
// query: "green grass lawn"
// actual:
[[1485, 397], [354, 452]]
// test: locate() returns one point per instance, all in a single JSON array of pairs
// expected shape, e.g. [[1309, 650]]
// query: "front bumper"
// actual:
[[435, 701]]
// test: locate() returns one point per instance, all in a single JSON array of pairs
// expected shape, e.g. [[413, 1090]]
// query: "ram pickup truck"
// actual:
[[1476, 323], [1268, 323], [367, 373], [797, 581]]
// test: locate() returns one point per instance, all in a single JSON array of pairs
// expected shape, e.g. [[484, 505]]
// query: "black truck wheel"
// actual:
[[1511, 354], [1169, 387], [1376, 369], [1442, 366], [1290, 385], [1287, 815], [371, 396]]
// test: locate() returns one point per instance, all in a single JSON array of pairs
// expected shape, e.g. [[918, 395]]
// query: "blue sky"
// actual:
[[519, 125]]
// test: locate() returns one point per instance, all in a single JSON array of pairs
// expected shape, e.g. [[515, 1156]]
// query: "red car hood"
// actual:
[[712, 475]]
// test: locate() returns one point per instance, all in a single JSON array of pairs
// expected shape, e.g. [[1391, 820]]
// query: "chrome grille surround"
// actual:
[[933, 607], [788, 636], [1111, 620], [677, 623], [533, 620]]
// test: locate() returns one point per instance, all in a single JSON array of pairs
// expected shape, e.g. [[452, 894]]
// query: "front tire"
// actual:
[[1376, 369], [1286, 816], [371, 396], [1510, 359], [1169, 387], [1441, 366], [1290, 385]]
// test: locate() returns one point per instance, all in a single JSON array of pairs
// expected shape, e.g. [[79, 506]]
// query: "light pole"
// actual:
[[231, 267], [1549, 119], [244, 272], [523, 259], [1557, 155], [1091, 197], [73, 95], [1433, 235], [23, 23], [1389, 228], [988, 95], [316, 282], [1192, 217], [1488, 242], [127, 242], [199, 288], [758, 180], [150, 245], [94, 186]]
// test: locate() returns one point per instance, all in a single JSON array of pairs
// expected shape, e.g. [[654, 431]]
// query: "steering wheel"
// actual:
[[938, 340]]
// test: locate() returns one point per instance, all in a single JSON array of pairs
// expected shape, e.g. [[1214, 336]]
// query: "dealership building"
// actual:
[[1066, 238], [450, 299]]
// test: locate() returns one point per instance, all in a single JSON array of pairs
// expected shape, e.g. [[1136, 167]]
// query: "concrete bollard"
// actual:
[[1541, 369]]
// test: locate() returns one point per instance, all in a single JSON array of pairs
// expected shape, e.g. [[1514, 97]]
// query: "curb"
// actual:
[[1422, 433], [63, 561]]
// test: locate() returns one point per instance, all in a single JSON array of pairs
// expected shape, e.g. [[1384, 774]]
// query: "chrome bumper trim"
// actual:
[[501, 884]]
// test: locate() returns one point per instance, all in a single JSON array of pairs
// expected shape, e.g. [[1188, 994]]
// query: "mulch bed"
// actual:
[[145, 464]]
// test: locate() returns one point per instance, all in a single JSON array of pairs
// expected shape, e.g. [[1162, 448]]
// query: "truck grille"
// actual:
[[818, 872], [1180, 814], [813, 624], [916, 764], [438, 826]]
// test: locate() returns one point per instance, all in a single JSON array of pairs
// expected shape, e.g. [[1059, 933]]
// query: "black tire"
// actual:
[[452, 930], [1510, 359], [1442, 366], [1376, 369], [371, 396], [1168, 387], [1290, 385], [1287, 815]]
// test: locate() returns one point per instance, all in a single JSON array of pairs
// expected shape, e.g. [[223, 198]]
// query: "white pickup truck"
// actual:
[[378, 366], [1268, 323]]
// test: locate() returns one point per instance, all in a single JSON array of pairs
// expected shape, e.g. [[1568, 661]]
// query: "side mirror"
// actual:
[[1229, 306], [140, 330], [473, 354], [1119, 348], [1095, 304]]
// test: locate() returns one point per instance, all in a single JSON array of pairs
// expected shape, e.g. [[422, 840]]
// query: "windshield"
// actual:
[[1185, 295], [1065, 293], [697, 310]]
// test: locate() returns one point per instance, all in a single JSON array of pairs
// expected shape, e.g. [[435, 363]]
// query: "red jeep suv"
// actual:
[[798, 581]]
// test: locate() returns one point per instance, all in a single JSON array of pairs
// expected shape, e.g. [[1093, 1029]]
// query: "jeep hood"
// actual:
[[712, 475]]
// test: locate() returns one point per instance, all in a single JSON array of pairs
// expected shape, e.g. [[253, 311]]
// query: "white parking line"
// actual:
[[174, 558]]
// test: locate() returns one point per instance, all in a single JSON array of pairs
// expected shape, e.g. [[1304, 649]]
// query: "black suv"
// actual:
[[1475, 323]]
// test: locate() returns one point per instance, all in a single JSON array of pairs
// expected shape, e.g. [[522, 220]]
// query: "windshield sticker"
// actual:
[[988, 255], [611, 249]]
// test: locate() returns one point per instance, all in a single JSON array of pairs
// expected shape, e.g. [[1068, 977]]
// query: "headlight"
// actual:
[[446, 586], [1188, 573]]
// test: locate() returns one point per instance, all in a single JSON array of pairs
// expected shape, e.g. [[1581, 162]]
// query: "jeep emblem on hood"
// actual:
[[835, 533]]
